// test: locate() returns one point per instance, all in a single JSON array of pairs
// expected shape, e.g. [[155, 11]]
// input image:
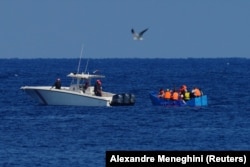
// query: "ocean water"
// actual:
[[37, 135]]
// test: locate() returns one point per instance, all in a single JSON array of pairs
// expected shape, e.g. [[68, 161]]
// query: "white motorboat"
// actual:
[[76, 95]]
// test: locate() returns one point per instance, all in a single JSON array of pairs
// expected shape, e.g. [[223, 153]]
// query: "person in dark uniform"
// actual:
[[85, 86], [57, 84], [98, 88]]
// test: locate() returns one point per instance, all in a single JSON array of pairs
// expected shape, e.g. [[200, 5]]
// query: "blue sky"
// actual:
[[177, 28]]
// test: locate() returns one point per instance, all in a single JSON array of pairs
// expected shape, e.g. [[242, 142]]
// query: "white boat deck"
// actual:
[[72, 95]]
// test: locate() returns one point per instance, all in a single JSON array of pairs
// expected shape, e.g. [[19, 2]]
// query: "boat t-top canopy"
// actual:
[[84, 76]]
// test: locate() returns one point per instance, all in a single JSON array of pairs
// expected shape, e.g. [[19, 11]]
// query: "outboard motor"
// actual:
[[123, 99]]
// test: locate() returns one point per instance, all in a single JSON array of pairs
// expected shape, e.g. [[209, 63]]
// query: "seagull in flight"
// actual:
[[138, 36]]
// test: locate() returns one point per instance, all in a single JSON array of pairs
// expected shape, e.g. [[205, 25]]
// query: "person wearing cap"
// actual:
[[98, 88], [57, 84]]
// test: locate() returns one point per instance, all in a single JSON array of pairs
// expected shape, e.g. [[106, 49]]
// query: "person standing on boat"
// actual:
[[57, 84], [85, 86], [98, 88]]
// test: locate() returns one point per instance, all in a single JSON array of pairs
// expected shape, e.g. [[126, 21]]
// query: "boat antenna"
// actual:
[[86, 66], [79, 63]]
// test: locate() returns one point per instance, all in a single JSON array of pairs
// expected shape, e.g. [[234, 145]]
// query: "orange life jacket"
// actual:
[[175, 96], [167, 95], [197, 92]]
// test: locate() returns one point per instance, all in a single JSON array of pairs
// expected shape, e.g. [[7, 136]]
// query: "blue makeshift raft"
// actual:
[[193, 102]]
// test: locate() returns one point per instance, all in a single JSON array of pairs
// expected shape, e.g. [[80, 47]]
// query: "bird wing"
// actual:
[[142, 32], [136, 36], [132, 30]]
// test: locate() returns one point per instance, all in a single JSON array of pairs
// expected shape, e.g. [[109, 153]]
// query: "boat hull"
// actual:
[[193, 102], [48, 96]]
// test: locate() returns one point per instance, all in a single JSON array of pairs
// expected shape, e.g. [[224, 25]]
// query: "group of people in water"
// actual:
[[181, 94]]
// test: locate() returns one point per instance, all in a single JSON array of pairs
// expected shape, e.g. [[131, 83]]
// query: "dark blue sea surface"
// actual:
[[37, 135]]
